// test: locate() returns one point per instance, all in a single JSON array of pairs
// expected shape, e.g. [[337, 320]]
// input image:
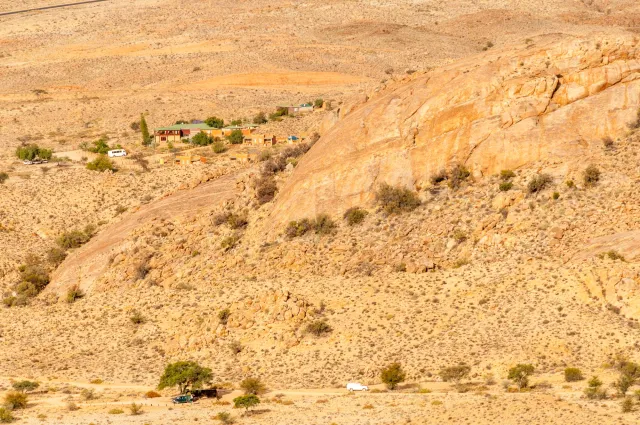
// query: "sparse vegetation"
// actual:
[[608, 143], [266, 189], [14, 400], [595, 391], [260, 118], [396, 200], [116, 411], [229, 242], [184, 375], [324, 225], [355, 215], [506, 175], [74, 293], [612, 255], [458, 174], [627, 405], [392, 375], [538, 183], [135, 409], [439, 177], [505, 186], [253, 386], [233, 220]]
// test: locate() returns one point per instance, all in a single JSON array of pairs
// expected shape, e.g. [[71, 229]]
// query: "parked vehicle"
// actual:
[[117, 152], [27, 162], [183, 399], [356, 386]]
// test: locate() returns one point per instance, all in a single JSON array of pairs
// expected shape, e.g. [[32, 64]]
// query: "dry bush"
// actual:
[[223, 316], [56, 256], [318, 328], [506, 175], [253, 386], [539, 182], [6, 416], [135, 409], [459, 173], [74, 293], [455, 373], [3, 177], [266, 189], [137, 318], [591, 176], [505, 186], [15, 400], [151, 394], [229, 242], [607, 143], [573, 374], [396, 200], [225, 418], [116, 411], [324, 225], [72, 239], [298, 228], [438, 177], [595, 391], [355, 215]]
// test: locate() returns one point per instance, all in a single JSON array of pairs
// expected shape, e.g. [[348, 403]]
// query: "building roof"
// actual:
[[186, 127]]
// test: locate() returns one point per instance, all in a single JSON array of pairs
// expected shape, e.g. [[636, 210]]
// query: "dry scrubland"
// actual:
[[475, 274]]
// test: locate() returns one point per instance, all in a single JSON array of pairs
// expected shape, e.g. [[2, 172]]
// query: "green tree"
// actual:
[[246, 401], [253, 386], [520, 374], [392, 375], [214, 122], [100, 146], [184, 375], [236, 137], [31, 152], [144, 129], [202, 139]]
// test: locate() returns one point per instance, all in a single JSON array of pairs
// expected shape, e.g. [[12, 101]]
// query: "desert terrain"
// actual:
[[507, 134]]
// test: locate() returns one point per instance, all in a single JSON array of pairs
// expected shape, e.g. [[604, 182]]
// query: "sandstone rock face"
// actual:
[[547, 103]]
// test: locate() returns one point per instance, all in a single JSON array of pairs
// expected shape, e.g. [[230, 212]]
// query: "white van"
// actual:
[[117, 152], [355, 386]]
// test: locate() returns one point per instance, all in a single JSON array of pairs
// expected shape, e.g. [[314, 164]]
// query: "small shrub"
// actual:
[[368, 406], [506, 175], [627, 405], [459, 173], [101, 163], [396, 200], [298, 228], [260, 118], [14, 400], [229, 242], [355, 215], [520, 374], [151, 394], [591, 176], [72, 239], [556, 196], [235, 347], [74, 293], [573, 374], [438, 177], [3, 177], [612, 255], [137, 318], [455, 373], [219, 147], [319, 328], [116, 411], [225, 418], [266, 189], [607, 143], [505, 186], [246, 401], [96, 381], [56, 256], [6, 417], [25, 386], [88, 394], [570, 184], [392, 375], [253, 386], [324, 225], [539, 182], [459, 236], [135, 409], [223, 316], [594, 390]]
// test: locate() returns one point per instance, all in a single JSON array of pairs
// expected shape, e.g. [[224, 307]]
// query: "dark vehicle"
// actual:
[[208, 393], [182, 399]]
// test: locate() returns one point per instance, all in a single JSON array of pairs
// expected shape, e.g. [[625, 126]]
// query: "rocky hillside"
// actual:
[[548, 103]]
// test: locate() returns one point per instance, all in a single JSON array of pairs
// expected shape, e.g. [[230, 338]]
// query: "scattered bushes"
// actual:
[[253, 386], [591, 176], [323, 224], [392, 375], [15, 400], [520, 374], [101, 163], [355, 215], [539, 182], [319, 328], [573, 374], [396, 200]]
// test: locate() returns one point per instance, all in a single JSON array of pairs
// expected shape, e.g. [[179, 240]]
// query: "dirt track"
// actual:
[[87, 263]]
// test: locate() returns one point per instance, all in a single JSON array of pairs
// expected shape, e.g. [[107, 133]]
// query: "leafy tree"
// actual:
[[31, 152], [455, 373], [260, 118], [392, 375], [253, 386], [100, 146], [25, 386], [236, 137], [184, 374], [520, 374], [144, 129], [214, 122], [101, 163], [202, 139], [246, 401]]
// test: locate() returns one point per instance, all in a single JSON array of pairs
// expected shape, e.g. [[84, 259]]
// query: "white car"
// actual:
[[117, 152], [356, 386]]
